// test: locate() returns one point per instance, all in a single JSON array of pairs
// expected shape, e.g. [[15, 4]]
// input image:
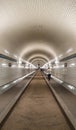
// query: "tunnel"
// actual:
[[37, 64]]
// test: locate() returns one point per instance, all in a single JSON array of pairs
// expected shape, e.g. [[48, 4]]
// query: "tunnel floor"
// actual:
[[36, 110]]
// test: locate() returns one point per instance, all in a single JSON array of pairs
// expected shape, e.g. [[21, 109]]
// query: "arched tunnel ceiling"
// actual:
[[38, 60], [38, 28]]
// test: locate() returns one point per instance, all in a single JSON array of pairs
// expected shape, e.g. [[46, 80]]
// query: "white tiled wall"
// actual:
[[67, 74], [8, 74]]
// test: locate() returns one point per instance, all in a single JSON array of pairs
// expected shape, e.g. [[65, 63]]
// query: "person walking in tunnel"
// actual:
[[49, 73]]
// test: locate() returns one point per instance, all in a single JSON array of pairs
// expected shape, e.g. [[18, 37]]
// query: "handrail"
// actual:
[[68, 86], [5, 87]]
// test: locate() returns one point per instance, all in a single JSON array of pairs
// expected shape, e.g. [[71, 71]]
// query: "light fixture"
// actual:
[[71, 87], [3, 64], [69, 50], [60, 55], [6, 51], [15, 56]]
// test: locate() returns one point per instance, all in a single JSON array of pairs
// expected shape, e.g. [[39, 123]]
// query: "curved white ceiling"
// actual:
[[38, 28]]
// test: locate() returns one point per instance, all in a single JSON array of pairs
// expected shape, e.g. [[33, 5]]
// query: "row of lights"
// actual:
[[58, 66], [19, 61], [28, 65], [47, 64], [56, 60]]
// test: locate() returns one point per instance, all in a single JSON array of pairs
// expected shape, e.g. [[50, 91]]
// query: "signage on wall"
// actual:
[[9, 64], [65, 65]]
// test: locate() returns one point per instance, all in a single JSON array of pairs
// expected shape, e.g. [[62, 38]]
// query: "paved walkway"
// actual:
[[36, 110]]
